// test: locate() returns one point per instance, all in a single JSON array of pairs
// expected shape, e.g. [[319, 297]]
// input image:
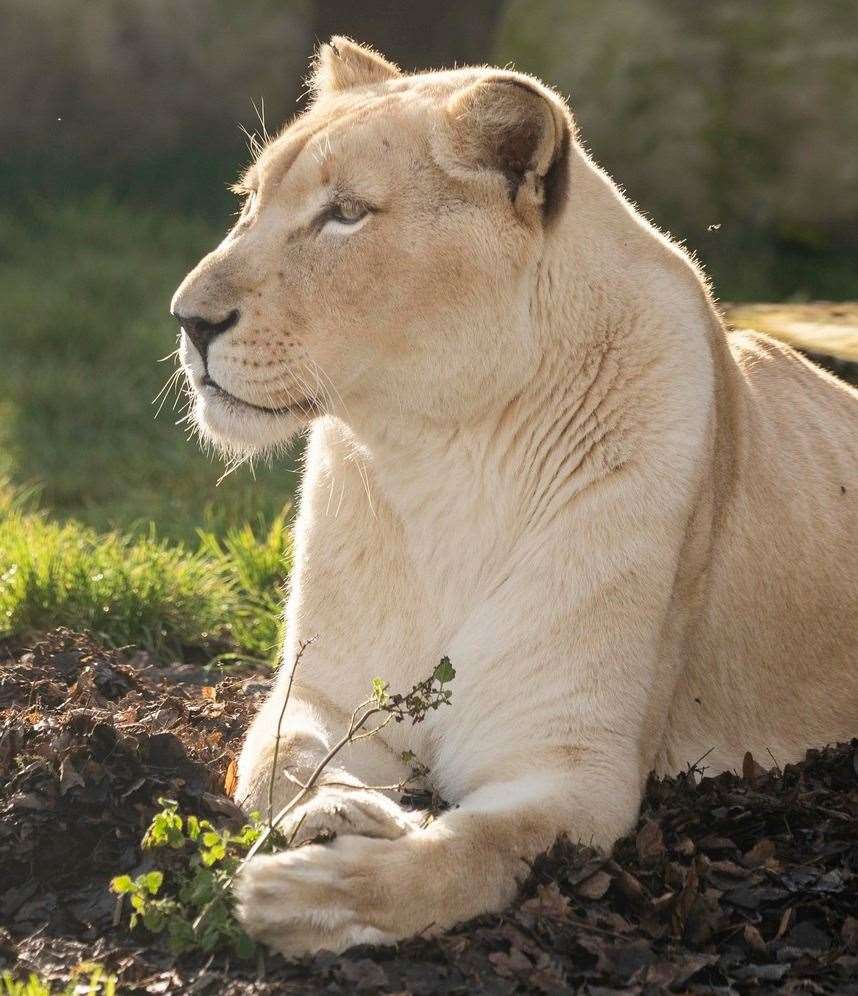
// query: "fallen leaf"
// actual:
[[595, 886], [231, 778], [69, 777], [754, 939], [849, 933], [510, 965], [363, 974], [760, 853], [548, 901], [650, 842]]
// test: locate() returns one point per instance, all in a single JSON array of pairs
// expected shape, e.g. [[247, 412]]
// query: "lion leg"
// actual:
[[469, 861], [291, 749]]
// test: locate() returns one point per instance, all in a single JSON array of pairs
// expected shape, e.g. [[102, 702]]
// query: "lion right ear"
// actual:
[[343, 64], [515, 126]]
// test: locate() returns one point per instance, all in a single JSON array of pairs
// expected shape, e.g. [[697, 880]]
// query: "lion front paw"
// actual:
[[346, 811], [318, 897]]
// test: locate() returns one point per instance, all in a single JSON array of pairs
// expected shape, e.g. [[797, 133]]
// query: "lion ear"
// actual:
[[519, 128], [343, 64]]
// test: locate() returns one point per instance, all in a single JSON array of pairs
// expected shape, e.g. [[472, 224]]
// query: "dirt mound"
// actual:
[[741, 883]]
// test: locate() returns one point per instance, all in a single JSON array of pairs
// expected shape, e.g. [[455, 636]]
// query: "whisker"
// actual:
[[171, 383], [261, 117]]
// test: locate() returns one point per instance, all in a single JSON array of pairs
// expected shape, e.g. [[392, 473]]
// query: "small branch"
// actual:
[[372, 732], [398, 787], [298, 798], [291, 778], [302, 646], [294, 834]]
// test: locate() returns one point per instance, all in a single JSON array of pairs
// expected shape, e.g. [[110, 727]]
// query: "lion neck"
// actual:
[[623, 322]]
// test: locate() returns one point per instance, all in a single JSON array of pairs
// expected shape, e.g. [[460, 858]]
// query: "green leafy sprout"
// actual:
[[168, 900], [189, 897]]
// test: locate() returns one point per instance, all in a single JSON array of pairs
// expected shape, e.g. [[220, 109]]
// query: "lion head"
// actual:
[[383, 261]]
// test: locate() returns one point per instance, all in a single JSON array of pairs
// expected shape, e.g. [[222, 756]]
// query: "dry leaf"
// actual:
[[509, 965], [595, 886], [750, 769], [231, 778], [548, 901], [760, 853], [650, 842], [69, 777], [754, 939]]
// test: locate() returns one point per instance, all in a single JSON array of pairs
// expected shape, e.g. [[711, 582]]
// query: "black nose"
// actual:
[[201, 331]]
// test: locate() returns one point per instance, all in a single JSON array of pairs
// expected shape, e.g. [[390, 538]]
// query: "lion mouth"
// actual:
[[306, 406]]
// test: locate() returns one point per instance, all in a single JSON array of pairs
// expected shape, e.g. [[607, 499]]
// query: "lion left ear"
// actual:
[[343, 64], [519, 128]]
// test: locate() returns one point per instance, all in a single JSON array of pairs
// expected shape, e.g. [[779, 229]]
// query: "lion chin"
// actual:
[[240, 431], [632, 532]]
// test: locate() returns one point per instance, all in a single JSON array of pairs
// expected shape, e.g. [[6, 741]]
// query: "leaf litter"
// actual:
[[741, 883]]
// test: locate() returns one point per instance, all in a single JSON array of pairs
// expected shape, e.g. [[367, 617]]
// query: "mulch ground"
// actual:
[[740, 883]]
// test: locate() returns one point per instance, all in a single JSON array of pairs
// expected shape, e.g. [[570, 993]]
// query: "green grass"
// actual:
[[86, 285], [222, 596], [88, 979]]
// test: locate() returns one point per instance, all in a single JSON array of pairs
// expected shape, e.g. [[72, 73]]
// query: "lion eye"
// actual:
[[349, 213], [346, 217]]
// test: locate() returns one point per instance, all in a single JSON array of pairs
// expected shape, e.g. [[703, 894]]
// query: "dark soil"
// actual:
[[740, 883]]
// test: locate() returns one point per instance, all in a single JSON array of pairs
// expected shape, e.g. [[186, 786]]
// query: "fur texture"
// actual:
[[533, 448]]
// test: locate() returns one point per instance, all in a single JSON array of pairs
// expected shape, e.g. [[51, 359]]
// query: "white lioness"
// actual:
[[533, 449]]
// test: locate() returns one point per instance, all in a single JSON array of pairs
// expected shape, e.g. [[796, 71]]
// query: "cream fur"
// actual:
[[533, 448]]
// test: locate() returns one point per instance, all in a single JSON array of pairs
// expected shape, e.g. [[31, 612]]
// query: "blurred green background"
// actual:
[[732, 124]]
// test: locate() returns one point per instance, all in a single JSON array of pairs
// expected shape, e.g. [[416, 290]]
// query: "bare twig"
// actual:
[[302, 646], [354, 725], [774, 759], [298, 826]]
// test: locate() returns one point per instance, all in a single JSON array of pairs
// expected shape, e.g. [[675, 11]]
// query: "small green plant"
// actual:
[[88, 979], [381, 708], [189, 898], [423, 697], [198, 861]]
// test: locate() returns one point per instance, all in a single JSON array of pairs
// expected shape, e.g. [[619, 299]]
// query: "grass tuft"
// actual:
[[223, 597]]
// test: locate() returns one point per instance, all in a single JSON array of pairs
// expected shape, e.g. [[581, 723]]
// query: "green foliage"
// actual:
[[424, 697], [124, 590], [258, 562], [444, 672], [89, 281], [140, 589], [379, 695], [194, 880], [89, 979]]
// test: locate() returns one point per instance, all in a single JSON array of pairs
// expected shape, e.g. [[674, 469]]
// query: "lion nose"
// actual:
[[201, 331]]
